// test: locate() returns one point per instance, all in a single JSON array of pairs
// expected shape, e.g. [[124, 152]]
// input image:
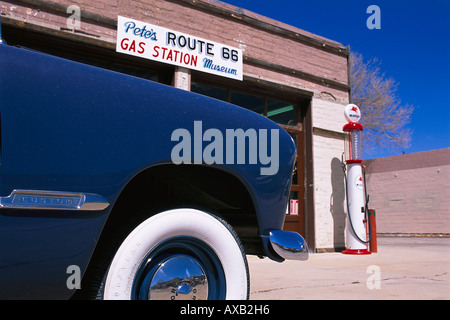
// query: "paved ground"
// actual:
[[403, 268]]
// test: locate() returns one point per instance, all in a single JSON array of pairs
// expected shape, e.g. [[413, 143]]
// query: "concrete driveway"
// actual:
[[403, 268]]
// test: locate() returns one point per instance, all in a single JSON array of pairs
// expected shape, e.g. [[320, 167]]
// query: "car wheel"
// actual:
[[179, 254]]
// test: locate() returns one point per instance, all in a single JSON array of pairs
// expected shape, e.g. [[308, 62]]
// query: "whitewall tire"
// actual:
[[179, 254]]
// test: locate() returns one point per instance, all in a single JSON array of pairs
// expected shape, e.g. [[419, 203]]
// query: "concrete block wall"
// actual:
[[411, 193], [329, 193]]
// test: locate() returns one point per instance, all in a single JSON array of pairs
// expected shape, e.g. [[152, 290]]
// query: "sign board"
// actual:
[[294, 207], [156, 43], [352, 113]]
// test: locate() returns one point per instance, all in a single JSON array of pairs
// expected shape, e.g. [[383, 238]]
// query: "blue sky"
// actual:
[[413, 46]]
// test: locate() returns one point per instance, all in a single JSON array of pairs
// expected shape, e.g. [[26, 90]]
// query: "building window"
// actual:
[[248, 101], [210, 91], [281, 112], [88, 54]]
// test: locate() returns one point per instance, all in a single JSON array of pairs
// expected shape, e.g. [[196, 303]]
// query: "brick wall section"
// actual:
[[191, 17], [411, 192]]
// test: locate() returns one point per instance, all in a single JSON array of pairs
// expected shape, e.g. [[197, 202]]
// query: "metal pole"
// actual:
[[1, 41]]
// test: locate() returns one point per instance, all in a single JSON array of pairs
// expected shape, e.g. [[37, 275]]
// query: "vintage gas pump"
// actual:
[[357, 212]]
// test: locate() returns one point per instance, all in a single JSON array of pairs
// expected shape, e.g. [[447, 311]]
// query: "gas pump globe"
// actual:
[[356, 235]]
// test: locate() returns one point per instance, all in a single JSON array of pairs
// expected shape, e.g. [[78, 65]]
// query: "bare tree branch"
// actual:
[[384, 117]]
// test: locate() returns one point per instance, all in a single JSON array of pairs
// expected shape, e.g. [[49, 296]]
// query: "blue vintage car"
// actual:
[[116, 187]]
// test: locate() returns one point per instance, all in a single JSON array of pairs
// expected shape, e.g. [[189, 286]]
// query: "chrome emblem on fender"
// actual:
[[53, 200]]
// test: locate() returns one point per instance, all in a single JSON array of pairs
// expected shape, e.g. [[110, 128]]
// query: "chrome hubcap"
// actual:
[[179, 278], [180, 268]]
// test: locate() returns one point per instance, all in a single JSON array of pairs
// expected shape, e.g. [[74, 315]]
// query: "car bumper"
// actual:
[[288, 245]]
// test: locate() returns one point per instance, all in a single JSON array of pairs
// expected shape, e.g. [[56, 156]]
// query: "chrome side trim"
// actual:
[[289, 245], [53, 200]]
